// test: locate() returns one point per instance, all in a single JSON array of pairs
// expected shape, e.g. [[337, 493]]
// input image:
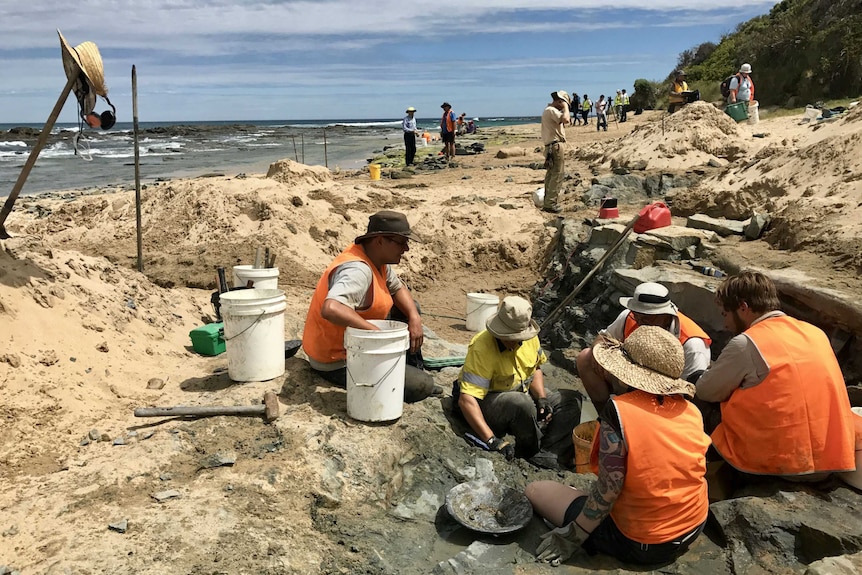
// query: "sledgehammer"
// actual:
[[269, 409]]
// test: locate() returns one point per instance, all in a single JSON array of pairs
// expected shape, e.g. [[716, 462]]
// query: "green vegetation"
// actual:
[[801, 52]]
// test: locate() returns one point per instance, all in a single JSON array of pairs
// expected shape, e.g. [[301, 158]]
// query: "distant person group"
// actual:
[[450, 127]]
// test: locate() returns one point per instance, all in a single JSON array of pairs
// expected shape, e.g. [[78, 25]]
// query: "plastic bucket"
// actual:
[[854, 478], [753, 112], [582, 438], [254, 333], [737, 111], [261, 278], [480, 306], [374, 171], [375, 370]]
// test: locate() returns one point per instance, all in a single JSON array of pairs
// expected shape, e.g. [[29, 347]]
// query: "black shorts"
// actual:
[[609, 540], [448, 137]]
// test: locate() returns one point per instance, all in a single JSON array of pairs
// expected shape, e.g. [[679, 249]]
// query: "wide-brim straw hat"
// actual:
[[84, 57], [513, 321], [651, 359]]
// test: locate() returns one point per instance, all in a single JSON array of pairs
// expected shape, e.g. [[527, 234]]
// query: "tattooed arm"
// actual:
[[612, 473]]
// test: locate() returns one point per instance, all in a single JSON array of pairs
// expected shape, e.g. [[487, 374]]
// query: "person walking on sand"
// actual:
[[554, 119], [775, 401], [447, 130], [602, 114], [586, 107], [575, 109], [360, 285], [649, 502], [408, 125]]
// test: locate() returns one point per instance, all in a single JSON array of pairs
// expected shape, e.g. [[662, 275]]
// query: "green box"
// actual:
[[208, 339]]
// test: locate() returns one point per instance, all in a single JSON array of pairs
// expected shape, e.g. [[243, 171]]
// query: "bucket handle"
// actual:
[[248, 327], [375, 384]]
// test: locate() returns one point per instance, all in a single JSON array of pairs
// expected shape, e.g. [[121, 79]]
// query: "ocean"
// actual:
[[188, 149]]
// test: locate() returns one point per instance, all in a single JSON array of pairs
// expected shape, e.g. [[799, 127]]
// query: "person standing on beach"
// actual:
[[358, 286], [408, 124], [447, 130], [585, 110], [624, 106], [575, 109], [742, 86], [602, 114], [554, 118]]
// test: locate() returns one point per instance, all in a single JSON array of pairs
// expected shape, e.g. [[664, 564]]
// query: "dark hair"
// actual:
[[752, 288]]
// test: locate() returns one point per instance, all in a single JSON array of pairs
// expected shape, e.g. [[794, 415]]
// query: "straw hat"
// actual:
[[84, 57], [650, 298], [513, 321], [651, 359], [411, 109], [562, 95]]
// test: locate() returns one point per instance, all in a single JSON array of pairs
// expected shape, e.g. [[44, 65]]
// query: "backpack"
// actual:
[[724, 87]]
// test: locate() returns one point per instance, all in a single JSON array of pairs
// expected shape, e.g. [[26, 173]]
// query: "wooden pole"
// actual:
[[295, 155], [302, 146], [34, 154], [137, 171], [325, 157]]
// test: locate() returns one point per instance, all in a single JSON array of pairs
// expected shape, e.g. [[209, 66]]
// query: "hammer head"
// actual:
[[270, 402]]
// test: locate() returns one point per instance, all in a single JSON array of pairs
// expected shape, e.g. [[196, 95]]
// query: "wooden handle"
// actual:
[[201, 410]]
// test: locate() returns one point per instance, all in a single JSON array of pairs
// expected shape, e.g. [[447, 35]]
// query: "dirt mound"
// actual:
[[294, 173]]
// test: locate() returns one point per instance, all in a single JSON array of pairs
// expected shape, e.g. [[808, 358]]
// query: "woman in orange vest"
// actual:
[[784, 408], [650, 500]]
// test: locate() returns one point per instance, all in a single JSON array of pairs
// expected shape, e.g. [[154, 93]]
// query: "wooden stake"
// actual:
[[137, 170], [325, 158]]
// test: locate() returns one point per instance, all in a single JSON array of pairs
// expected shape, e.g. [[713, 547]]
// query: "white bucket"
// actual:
[[254, 333], [753, 112], [375, 370], [263, 278], [480, 306]]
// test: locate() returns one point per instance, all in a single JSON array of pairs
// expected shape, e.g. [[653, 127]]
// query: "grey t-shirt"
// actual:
[[350, 284]]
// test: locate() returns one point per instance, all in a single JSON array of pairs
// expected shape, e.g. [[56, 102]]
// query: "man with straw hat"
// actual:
[[408, 126], [361, 285], [501, 388], [554, 119], [650, 501], [649, 305]]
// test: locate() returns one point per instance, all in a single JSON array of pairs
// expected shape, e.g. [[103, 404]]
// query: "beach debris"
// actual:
[[503, 153], [268, 409], [119, 526]]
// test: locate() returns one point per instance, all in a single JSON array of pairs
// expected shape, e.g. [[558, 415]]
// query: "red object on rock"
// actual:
[[655, 215], [608, 208]]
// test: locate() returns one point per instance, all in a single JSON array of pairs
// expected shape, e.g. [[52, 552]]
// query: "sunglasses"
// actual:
[[396, 240]]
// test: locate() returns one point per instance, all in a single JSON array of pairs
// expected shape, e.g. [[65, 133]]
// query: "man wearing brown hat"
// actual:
[[650, 500], [554, 119], [501, 387], [360, 285], [447, 130]]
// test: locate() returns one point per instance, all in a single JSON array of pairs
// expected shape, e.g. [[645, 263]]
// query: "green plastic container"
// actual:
[[208, 339], [738, 111]]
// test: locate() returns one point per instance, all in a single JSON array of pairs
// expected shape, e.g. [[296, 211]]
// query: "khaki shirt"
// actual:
[[552, 127]]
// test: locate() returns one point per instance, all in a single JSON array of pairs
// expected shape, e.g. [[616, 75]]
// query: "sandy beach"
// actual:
[[86, 339]]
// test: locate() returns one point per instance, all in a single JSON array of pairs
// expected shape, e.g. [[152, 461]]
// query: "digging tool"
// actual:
[[268, 409], [566, 300]]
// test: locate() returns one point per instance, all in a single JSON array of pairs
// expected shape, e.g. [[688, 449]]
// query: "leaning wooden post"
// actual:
[[302, 146], [137, 170], [295, 155], [34, 154], [325, 157]]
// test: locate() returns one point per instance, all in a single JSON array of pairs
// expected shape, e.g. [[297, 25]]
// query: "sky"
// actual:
[[199, 60]]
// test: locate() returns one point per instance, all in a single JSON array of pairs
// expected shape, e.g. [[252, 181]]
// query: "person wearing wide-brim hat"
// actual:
[[741, 86], [411, 130], [501, 388], [678, 92], [358, 286], [554, 119], [83, 65], [650, 500], [649, 305]]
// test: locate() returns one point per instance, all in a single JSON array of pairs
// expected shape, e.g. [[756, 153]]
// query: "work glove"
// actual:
[[502, 446], [544, 411], [559, 544]]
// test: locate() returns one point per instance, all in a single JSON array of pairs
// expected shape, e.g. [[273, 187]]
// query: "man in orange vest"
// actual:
[[360, 285], [447, 130], [650, 305], [784, 408], [650, 501]]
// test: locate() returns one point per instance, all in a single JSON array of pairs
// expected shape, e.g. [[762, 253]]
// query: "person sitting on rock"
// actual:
[[501, 387], [360, 285], [774, 401], [650, 500], [650, 305]]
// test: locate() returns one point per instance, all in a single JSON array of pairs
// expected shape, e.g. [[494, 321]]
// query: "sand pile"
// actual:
[[688, 138]]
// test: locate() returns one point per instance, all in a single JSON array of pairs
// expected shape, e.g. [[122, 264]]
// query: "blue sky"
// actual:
[[286, 59]]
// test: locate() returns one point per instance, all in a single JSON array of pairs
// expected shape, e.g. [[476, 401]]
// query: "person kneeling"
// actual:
[[650, 500]]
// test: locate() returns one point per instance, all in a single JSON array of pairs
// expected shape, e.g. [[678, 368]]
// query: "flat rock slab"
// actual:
[[721, 226], [679, 238], [163, 496]]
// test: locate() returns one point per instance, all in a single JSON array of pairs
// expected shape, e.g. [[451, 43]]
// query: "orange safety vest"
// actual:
[[796, 421], [687, 329], [664, 494], [447, 120], [322, 340]]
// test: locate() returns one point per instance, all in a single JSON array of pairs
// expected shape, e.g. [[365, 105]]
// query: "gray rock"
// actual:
[[119, 441], [218, 460], [119, 526], [843, 565], [638, 165], [94, 435], [756, 224], [716, 162], [721, 226], [163, 496], [677, 237], [479, 557], [606, 235]]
